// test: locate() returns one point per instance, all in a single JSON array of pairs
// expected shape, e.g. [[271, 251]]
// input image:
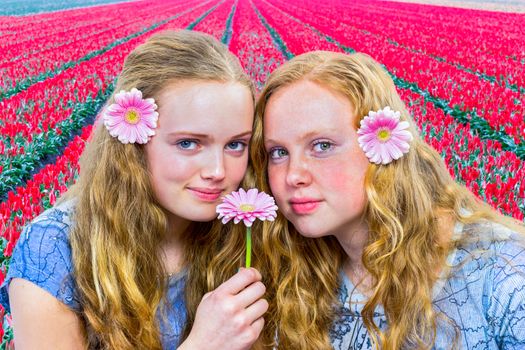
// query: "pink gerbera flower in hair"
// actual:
[[383, 137], [131, 118], [247, 207]]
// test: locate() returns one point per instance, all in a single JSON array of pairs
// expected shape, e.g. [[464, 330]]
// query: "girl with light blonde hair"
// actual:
[[377, 246], [131, 257]]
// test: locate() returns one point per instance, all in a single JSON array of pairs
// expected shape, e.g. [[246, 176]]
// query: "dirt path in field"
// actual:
[[517, 6]]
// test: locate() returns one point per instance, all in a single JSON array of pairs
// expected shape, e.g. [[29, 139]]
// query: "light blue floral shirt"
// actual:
[[42, 256], [483, 294]]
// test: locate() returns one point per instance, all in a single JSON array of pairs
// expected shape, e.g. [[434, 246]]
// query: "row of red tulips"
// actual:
[[19, 74], [492, 44], [253, 45]]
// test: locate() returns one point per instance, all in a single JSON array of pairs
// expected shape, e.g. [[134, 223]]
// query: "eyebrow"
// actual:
[[270, 141], [246, 133], [205, 136], [305, 136]]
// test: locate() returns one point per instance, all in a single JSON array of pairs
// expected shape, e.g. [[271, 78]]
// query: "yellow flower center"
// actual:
[[132, 116], [246, 207], [383, 135]]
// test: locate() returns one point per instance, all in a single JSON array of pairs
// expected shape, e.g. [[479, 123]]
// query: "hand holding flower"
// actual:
[[231, 316]]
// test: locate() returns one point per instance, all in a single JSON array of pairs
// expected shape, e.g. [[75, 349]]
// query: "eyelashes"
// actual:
[[194, 145], [322, 146], [237, 146], [187, 145], [318, 148], [277, 153]]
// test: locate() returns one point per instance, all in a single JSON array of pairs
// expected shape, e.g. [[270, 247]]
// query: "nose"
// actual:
[[298, 174], [213, 169]]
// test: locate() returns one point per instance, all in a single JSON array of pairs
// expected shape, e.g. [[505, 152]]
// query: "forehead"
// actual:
[[305, 105], [200, 93], [205, 104]]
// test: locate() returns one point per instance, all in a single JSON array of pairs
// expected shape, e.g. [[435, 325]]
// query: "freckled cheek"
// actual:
[[352, 185], [339, 182], [338, 176]]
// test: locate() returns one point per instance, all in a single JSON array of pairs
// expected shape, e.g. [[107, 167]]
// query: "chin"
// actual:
[[196, 215], [310, 232], [313, 234], [203, 218]]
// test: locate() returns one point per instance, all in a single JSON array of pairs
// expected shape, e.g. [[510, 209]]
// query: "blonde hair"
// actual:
[[119, 224], [405, 201]]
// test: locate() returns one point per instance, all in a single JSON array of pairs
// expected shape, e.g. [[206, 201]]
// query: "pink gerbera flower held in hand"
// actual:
[[247, 207], [131, 118], [383, 137]]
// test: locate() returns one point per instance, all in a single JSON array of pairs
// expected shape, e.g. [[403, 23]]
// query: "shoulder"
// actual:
[[504, 302], [45, 240], [499, 252], [42, 255], [495, 242], [489, 262], [486, 286], [507, 262], [61, 214]]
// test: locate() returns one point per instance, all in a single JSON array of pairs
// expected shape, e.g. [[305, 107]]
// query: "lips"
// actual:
[[303, 206], [206, 194]]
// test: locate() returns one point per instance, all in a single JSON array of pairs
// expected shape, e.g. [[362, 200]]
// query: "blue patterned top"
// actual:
[[482, 293], [42, 256]]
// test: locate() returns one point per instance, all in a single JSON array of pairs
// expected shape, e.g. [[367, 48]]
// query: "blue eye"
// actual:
[[323, 146], [187, 145], [236, 146], [278, 153]]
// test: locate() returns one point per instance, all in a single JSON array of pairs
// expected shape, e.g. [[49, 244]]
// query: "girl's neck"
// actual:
[[177, 226], [359, 277], [173, 246], [353, 242]]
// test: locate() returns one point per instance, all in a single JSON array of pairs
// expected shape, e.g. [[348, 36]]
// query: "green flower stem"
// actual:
[[248, 247]]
